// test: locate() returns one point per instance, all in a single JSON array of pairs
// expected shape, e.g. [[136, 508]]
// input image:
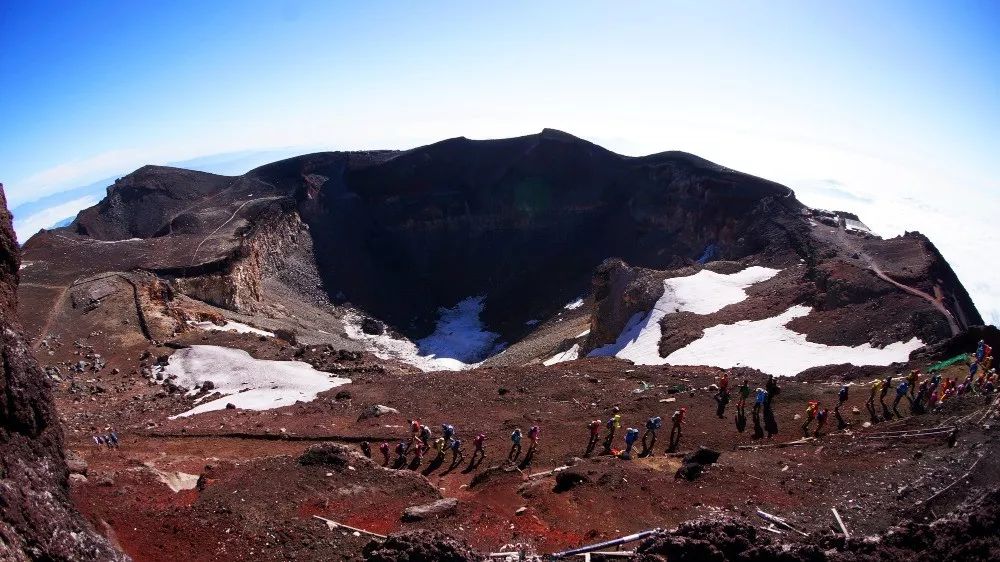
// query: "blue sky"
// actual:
[[888, 108]]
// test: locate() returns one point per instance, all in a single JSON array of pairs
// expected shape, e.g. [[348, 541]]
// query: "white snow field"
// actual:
[[770, 346], [575, 304], [460, 340], [231, 326], [245, 382], [704, 292]]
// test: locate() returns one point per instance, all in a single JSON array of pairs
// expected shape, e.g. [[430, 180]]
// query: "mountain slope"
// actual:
[[521, 222]]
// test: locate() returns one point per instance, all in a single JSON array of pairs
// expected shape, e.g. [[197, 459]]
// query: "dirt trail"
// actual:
[[49, 317]]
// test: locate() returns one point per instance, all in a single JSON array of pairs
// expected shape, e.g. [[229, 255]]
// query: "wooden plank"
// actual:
[[779, 521], [840, 523], [337, 525]]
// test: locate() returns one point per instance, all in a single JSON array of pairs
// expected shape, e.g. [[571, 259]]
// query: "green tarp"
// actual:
[[963, 358]]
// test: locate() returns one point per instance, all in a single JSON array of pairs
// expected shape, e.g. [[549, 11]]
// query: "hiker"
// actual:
[[743, 393], [111, 439], [885, 389], [842, 396], [770, 422], [99, 441], [973, 367], [418, 454], [414, 428], [401, 452], [932, 402], [479, 450], [917, 403], [425, 437], [366, 448], [384, 449], [418, 445], [595, 435], [811, 410], [876, 389], [533, 437], [440, 445], [631, 435], [721, 399], [652, 424], [614, 422], [448, 431], [676, 421], [724, 382], [456, 452], [773, 390], [911, 381], [901, 391], [980, 350], [821, 417], [759, 399], [515, 447]]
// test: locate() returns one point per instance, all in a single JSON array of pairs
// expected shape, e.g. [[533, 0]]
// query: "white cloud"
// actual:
[[29, 225]]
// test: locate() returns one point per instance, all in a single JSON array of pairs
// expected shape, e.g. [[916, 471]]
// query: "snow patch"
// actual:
[[568, 355], [231, 326], [770, 346], [245, 382], [575, 304], [460, 340], [704, 292]]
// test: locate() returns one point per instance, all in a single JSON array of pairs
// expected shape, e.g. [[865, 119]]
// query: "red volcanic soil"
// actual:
[[255, 500]]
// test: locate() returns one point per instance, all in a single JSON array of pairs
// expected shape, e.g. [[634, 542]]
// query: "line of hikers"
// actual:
[[422, 442], [109, 440], [928, 395], [762, 409], [653, 424]]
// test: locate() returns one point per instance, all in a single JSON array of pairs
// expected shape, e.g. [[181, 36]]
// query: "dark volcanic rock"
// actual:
[[420, 546], [968, 533], [703, 455], [372, 327], [37, 521], [333, 455]]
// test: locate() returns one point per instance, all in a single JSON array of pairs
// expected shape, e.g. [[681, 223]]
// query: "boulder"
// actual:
[[440, 508], [703, 455], [372, 327], [689, 471], [75, 463], [332, 455], [376, 411]]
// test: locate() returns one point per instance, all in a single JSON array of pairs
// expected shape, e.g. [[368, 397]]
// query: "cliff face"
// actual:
[[37, 521]]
